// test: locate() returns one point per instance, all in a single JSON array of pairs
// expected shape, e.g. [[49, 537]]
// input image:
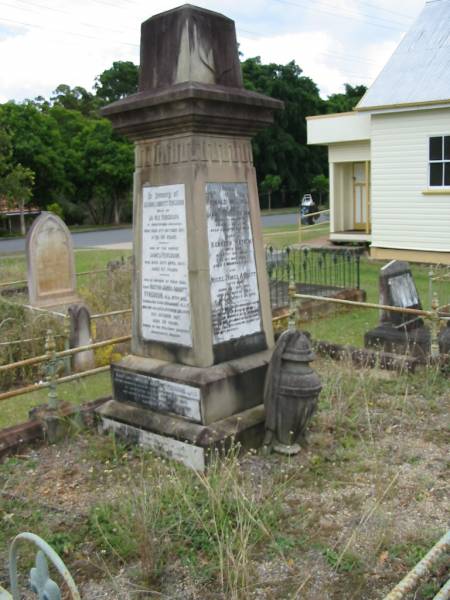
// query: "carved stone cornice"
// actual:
[[192, 108], [185, 149]]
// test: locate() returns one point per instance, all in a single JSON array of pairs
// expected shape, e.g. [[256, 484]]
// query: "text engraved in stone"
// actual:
[[188, 454], [53, 262], [158, 394], [166, 312], [234, 284], [403, 290]]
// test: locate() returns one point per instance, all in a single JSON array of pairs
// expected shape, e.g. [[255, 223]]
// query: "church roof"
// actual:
[[419, 70]]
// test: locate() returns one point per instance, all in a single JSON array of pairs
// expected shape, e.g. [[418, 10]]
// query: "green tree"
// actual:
[[321, 185], [345, 102], [118, 81], [270, 183], [77, 98], [36, 144], [104, 178], [16, 181], [282, 148]]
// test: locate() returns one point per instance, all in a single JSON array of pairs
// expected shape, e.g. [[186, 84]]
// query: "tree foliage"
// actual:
[[117, 82], [16, 181], [282, 147], [60, 150], [347, 101]]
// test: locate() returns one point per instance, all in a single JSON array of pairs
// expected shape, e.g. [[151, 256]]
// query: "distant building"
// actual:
[[390, 158], [10, 215]]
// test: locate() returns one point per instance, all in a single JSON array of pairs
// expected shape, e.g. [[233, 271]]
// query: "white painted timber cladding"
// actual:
[[349, 152], [402, 216], [340, 127]]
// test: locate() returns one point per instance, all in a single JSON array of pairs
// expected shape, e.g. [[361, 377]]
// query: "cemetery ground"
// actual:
[[344, 327], [345, 519]]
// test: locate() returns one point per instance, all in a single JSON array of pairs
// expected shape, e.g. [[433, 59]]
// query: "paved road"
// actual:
[[111, 237]]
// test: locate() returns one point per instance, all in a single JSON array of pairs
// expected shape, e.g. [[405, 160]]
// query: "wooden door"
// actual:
[[361, 217]]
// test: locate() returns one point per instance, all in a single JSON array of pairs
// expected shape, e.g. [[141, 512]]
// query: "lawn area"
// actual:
[[14, 268], [350, 325], [15, 410], [279, 237], [346, 518], [345, 327]]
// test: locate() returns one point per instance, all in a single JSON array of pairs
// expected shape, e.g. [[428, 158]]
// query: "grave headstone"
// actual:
[[80, 335], [50, 263], [399, 333], [202, 328]]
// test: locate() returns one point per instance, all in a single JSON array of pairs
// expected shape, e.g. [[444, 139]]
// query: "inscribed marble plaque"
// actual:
[[403, 290], [166, 311], [235, 299], [158, 394]]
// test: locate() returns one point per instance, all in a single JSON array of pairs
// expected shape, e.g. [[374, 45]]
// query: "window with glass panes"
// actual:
[[439, 161]]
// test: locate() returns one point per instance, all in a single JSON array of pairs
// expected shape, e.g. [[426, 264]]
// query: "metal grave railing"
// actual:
[[318, 271], [41, 584]]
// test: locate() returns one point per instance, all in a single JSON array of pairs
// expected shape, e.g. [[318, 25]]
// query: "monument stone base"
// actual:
[[414, 342], [177, 438], [182, 411]]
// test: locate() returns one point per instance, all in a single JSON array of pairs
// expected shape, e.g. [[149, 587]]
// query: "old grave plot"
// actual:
[[346, 518], [103, 285]]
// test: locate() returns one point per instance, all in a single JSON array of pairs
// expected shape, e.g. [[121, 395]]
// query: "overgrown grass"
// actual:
[[347, 518], [213, 526]]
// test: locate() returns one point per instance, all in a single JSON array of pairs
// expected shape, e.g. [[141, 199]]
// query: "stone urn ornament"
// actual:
[[291, 392]]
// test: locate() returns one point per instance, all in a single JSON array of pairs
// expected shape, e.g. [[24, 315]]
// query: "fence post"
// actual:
[[292, 290], [51, 370], [358, 272], [299, 227], [434, 348], [67, 361]]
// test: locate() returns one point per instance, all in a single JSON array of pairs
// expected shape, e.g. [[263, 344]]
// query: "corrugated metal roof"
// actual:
[[419, 69]]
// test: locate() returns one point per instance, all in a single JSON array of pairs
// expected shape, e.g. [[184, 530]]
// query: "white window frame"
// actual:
[[443, 161]]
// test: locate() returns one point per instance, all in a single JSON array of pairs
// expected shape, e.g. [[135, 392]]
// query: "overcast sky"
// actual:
[[47, 42]]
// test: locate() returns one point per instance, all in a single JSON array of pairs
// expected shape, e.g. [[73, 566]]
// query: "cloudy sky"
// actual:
[[47, 42]]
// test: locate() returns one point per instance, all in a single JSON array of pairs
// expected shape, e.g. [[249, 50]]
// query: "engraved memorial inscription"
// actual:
[[404, 291], [157, 394], [234, 286], [166, 312]]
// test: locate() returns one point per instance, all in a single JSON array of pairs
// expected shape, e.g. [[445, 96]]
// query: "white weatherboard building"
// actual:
[[390, 158]]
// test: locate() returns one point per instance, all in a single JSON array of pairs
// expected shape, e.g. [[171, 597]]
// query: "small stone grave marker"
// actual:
[[399, 333], [80, 335], [50, 262]]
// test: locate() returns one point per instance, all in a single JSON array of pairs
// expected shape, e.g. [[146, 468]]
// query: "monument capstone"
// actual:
[[202, 330], [50, 263]]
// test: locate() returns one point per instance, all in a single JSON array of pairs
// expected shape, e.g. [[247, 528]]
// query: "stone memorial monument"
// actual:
[[202, 330], [399, 333], [50, 263]]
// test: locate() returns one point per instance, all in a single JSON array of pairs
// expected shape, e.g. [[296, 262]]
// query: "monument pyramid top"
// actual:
[[190, 80], [189, 43]]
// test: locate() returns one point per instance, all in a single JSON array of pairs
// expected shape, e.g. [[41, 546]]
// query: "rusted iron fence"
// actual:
[[318, 271], [52, 360], [435, 316]]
